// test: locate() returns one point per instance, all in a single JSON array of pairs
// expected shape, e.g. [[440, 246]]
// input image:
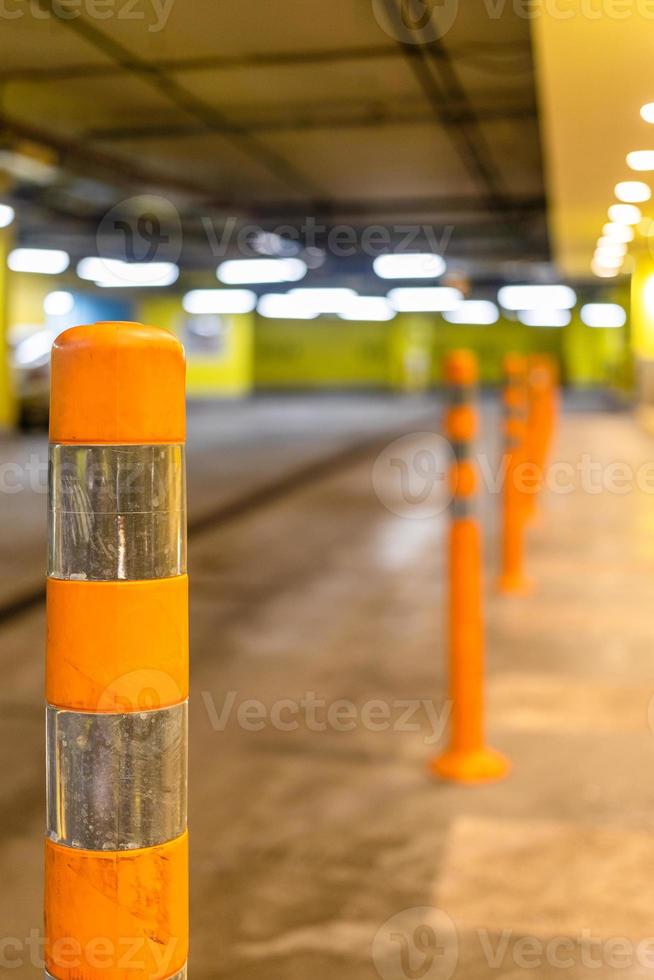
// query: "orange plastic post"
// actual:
[[468, 759], [551, 364], [512, 579], [116, 854], [539, 424]]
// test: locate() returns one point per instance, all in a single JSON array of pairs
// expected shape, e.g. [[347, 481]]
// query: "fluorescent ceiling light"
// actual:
[[324, 299], [647, 112], [93, 268], [603, 271], [632, 191], [236, 272], [608, 258], [270, 243], [284, 306], [473, 311], [116, 274], [426, 299], [641, 160], [24, 166], [605, 244], [7, 215], [536, 297], [603, 315], [202, 301], [543, 317], [368, 308], [58, 303], [46, 261], [618, 233], [409, 265], [625, 214]]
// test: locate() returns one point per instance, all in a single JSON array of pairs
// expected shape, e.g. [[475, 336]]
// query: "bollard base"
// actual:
[[478, 766], [515, 585]]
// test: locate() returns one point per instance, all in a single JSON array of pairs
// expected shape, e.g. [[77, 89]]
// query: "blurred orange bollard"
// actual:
[[542, 419], [554, 399], [116, 861], [467, 759], [515, 499], [539, 425]]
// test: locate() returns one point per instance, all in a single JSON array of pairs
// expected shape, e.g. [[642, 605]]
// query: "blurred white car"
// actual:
[[31, 372]]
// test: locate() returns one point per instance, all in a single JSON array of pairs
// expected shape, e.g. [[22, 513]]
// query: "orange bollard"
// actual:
[[554, 398], [116, 861], [512, 580], [468, 759], [539, 426]]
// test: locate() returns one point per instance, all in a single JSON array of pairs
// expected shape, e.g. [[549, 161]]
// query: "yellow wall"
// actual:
[[332, 352], [320, 353], [26, 298], [642, 307], [227, 373], [7, 396], [490, 343], [593, 355]]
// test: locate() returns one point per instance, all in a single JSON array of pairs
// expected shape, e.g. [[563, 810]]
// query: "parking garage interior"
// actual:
[[331, 206]]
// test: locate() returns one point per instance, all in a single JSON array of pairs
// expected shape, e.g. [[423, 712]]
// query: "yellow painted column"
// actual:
[[8, 404], [411, 352], [642, 328], [229, 370], [642, 307], [218, 366]]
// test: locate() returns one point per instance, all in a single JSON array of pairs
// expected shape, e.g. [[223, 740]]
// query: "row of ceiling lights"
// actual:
[[307, 304], [233, 272], [538, 306], [618, 232]]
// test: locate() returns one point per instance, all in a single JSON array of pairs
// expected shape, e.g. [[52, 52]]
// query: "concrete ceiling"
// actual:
[[279, 109]]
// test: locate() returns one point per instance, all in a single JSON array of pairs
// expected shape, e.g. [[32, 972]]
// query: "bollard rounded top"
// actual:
[[460, 367], [118, 383], [515, 364]]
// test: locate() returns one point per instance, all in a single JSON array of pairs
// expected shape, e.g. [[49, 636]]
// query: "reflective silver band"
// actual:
[[461, 508], [117, 512], [516, 412], [461, 450], [182, 975], [116, 781], [461, 394]]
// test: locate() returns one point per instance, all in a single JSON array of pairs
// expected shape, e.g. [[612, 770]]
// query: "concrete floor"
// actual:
[[320, 847]]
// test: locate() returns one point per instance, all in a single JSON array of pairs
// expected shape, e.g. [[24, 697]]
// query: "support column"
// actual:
[[642, 330], [8, 403], [411, 352]]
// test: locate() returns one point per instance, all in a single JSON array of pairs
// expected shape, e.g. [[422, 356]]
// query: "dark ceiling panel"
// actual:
[[396, 161], [196, 27], [289, 107]]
